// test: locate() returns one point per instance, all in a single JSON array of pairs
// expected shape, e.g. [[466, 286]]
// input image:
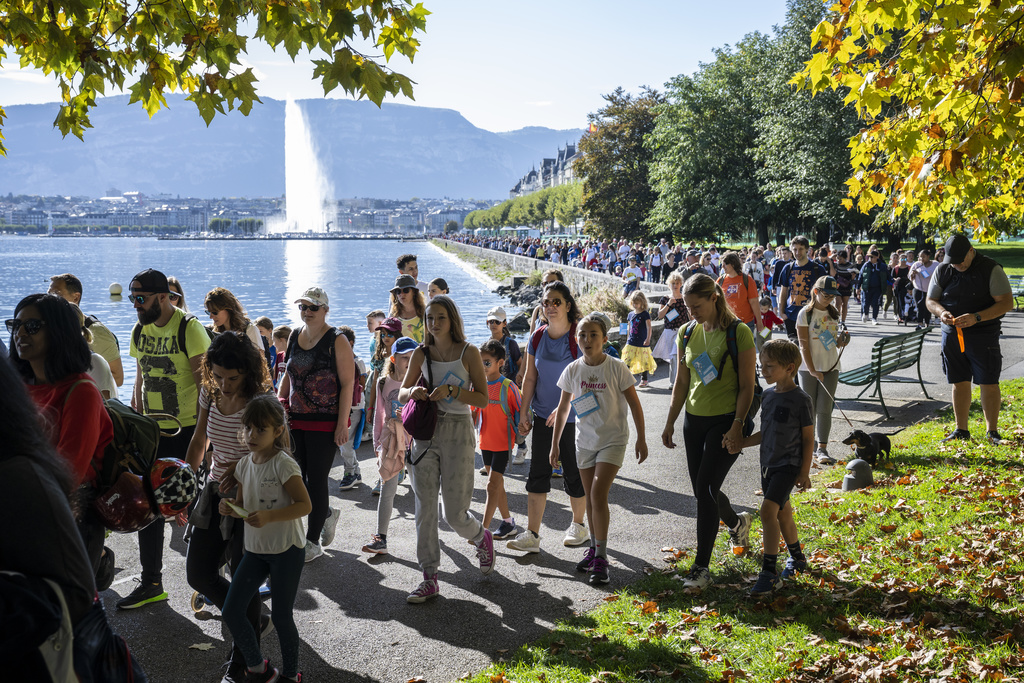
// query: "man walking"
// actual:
[[970, 293], [796, 280], [168, 348]]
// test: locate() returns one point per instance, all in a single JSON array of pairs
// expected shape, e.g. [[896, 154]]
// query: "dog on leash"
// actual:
[[870, 447]]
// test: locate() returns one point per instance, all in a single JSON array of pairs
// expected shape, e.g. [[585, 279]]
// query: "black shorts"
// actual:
[[539, 478], [778, 482], [980, 361], [496, 460]]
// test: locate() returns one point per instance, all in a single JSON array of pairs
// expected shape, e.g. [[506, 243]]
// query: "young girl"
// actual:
[[407, 305], [817, 328], [444, 464], [600, 388], [387, 333], [272, 500], [437, 286], [637, 354], [387, 416]]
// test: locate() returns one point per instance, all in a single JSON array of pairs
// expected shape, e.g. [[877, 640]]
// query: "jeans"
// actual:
[[314, 451], [708, 463], [151, 539], [348, 451], [872, 299], [284, 570]]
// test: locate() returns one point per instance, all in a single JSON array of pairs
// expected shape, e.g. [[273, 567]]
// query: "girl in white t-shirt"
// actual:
[[272, 500], [599, 387], [818, 330]]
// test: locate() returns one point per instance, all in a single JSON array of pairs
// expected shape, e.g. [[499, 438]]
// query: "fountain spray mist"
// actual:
[[309, 196]]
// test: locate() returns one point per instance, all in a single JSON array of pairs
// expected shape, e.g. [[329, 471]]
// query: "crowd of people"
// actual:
[[262, 412]]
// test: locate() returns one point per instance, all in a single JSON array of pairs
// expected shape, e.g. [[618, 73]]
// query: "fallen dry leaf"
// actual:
[[201, 646]]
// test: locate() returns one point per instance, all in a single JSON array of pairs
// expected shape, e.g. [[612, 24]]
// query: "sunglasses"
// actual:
[[493, 322], [211, 313], [309, 307], [404, 290], [388, 333], [551, 303], [174, 296], [32, 325], [139, 298]]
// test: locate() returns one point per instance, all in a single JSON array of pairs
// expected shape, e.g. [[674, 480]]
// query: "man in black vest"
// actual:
[[970, 293]]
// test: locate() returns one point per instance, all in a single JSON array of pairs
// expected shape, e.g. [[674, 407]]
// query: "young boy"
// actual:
[[786, 439], [281, 335], [498, 434], [348, 449]]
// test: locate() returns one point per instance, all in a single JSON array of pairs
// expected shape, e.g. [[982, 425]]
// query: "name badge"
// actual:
[[705, 368], [827, 339], [586, 404], [671, 315], [396, 409], [766, 332], [454, 380], [624, 328]]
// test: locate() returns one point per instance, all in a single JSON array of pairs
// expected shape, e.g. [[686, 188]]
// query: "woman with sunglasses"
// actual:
[[227, 314], [316, 390], [550, 350], [408, 306], [53, 358], [176, 293]]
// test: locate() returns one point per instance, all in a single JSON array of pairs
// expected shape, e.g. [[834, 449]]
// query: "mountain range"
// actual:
[[396, 151]]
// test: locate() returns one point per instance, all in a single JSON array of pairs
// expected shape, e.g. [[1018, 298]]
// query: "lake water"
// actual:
[[266, 276]]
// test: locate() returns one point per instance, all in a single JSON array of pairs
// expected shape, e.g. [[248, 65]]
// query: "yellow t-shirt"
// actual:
[[167, 382], [719, 396], [413, 328]]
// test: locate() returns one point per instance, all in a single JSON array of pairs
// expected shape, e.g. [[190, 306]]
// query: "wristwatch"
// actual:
[[977, 317]]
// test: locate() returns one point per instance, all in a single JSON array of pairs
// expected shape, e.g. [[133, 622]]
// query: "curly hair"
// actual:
[[234, 351], [223, 300]]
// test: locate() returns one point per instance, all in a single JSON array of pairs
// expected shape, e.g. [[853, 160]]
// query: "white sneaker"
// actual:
[[576, 534], [527, 542], [740, 536], [313, 551], [822, 457], [330, 527], [863, 318], [699, 578], [520, 458]]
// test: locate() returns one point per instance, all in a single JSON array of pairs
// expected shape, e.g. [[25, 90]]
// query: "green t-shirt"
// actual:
[[104, 342], [167, 382], [719, 396]]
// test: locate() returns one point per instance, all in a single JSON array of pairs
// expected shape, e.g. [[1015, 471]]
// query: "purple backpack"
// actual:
[[420, 417]]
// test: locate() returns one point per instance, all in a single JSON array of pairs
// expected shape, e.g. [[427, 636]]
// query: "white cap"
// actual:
[[313, 295], [497, 313]]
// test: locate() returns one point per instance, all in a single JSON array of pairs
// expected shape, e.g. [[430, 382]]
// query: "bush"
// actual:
[[534, 278], [607, 299]]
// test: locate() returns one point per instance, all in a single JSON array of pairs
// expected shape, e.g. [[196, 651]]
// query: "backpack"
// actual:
[[574, 349], [182, 328], [733, 351], [91, 320], [512, 368], [513, 416]]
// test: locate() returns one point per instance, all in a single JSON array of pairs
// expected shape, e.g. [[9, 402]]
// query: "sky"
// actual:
[[505, 66]]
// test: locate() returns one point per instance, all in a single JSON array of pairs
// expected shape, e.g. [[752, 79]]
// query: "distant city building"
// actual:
[[553, 172]]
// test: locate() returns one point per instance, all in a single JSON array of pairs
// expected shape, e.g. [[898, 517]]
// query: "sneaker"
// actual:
[[145, 594], [699, 578], [994, 438], [598, 571], [576, 534], [485, 552], [556, 472], [823, 458], [483, 471], [427, 589], [863, 318], [520, 458], [313, 550], [269, 674], [957, 435], [234, 670], [588, 559], [376, 546], [266, 626], [330, 526], [793, 567], [105, 572], [874, 321], [766, 583], [740, 536], [643, 384], [350, 480], [505, 529], [527, 542], [376, 488]]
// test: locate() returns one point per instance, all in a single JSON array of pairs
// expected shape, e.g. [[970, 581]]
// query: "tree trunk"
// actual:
[[762, 232]]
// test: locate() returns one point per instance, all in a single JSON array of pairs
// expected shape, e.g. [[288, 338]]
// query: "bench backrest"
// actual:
[[900, 351]]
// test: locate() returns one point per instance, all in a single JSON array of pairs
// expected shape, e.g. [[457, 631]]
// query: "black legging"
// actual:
[[709, 463], [314, 451]]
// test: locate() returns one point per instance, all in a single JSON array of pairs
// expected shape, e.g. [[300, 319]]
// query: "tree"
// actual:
[[617, 195], [940, 85], [198, 48], [451, 226]]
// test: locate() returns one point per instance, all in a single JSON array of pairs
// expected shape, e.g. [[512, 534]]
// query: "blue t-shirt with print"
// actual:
[[800, 281], [637, 328]]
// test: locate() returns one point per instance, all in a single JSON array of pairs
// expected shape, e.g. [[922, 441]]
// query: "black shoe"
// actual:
[[994, 438], [143, 595], [957, 435], [105, 572], [234, 670]]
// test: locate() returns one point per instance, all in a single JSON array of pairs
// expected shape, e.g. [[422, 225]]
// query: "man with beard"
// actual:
[[167, 345]]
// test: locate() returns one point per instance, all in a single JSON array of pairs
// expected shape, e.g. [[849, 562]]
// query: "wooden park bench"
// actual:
[[888, 355]]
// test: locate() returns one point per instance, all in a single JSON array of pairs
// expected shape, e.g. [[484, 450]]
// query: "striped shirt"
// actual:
[[223, 432]]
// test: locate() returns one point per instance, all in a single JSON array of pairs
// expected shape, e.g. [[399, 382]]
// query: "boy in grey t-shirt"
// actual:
[[786, 439]]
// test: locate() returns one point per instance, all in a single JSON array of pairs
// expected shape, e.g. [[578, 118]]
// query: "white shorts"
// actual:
[[612, 455]]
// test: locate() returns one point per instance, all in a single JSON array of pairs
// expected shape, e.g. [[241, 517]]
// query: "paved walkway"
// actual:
[[351, 612]]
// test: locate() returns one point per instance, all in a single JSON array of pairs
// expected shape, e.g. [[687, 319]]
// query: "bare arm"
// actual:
[[410, 390], [561, 415], [783, 298], [744, 397], [807, 438], [137, 388], [197, 446], [195, 364], [475, 396], [117, 370], [529, 387], [637, 410], [679, 390], [345, 366], [647, 341], [803, 334]]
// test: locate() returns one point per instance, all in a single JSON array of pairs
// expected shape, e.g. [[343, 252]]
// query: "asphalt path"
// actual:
[[351, 613]]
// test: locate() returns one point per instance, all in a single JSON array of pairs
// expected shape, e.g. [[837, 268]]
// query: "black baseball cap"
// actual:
[[151, 281], [957, 248]]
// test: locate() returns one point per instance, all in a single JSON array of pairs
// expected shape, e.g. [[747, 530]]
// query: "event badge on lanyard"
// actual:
[[671, 315], [827, 339], [586, 404], [702, 364]]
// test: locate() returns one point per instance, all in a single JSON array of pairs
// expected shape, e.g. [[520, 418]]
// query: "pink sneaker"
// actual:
[[485, 552], [427, 589]]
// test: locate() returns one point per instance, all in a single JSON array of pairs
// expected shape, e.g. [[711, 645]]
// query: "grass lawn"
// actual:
[[917, 578]]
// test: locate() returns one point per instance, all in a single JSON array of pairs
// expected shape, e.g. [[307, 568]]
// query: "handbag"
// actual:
[[420, 417]]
